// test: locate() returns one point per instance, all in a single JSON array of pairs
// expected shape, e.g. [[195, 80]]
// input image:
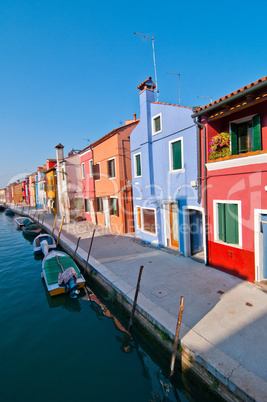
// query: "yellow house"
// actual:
[[51, 191]]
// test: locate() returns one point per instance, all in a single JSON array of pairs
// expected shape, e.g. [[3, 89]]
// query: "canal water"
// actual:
[[62, 349]]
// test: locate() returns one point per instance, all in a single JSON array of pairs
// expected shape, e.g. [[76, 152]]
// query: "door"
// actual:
[[196, 231], [174, 225], [106, 212], [264, 248]]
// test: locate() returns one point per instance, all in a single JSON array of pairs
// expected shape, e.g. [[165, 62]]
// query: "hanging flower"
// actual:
[[219, 146]]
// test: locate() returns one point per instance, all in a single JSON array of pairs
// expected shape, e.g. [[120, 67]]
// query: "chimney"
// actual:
[[60, 152], [134, 116]]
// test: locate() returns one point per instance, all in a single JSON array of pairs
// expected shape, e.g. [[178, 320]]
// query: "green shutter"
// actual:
[[138, 165], [221, 221], [233, 132], [176, 155], [256, 123], [231, 223]]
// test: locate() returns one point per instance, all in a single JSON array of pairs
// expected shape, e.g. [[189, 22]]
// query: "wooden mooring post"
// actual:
[[181, 309], [135, 298], [74, 254], [43, 220], [54, 225], [59, 233], [89, 251]]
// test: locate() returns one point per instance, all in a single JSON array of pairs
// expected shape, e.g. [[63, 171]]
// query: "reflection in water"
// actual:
[[64, 301], [164, 391], [29, 238]]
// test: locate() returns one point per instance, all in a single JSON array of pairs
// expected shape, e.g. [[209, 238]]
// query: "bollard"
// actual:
[[135, 298], [181, 309], [89, 251], [59, 233], [54, 225]]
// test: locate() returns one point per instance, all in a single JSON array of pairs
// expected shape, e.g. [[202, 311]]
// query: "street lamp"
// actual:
[[154, 59]]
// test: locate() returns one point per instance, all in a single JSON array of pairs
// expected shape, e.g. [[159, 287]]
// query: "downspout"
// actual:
[[200, 125]]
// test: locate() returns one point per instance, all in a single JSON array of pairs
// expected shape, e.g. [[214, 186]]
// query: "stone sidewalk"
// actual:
[[224, 324]]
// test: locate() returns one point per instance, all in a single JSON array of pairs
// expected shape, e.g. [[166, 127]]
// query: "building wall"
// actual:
[[51, 187], [88, 185], [17, 193]]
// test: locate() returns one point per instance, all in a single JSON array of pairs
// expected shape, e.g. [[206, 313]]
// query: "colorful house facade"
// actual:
[[88, 175], [164, 175], [234, 182], [40, 188], [112, 179], [51, 190], [32, 190]]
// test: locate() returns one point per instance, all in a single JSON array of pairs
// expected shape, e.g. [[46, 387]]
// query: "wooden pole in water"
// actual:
[[135, 298], [54, 225], [181, 309], [74, 254], [59, 233], [43, 220], [89, 251]]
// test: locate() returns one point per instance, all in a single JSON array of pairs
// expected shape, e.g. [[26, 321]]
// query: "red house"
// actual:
[[233, 180], [87, 169]]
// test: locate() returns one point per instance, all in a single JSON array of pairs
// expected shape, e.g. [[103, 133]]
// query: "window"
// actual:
[[91, 173], [149, 220], [176, 150], [111, 168], [113, 206], [246, 135], [228, 223], [156, 124], [83, 171], [78, 203], [96, 171], [99, 204], [137, 165], [86, 205]]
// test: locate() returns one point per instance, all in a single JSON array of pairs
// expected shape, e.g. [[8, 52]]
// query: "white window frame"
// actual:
[[91, 172], [171, 170], [87, 212], [114, 177], [116, 198], [216, 222], [153, 124], [83, 170], [135, 167], [142, 222]]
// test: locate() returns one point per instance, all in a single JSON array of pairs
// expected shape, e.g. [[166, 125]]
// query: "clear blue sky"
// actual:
[[70, 68]]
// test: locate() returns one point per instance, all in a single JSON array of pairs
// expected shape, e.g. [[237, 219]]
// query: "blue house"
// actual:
[[164, 175]]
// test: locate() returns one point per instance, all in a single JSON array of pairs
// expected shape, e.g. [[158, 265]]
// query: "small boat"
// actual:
[[9, 212], [22, 221], [2, 208], [61, 274], [43, 244], [32, 230]]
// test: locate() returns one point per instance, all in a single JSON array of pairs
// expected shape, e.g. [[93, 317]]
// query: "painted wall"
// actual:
[[88, 185], [158, 187]]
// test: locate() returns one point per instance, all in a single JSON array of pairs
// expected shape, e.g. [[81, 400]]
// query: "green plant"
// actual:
[[220, 146]]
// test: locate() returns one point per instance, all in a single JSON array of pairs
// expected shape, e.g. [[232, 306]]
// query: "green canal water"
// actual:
[[67, 350]]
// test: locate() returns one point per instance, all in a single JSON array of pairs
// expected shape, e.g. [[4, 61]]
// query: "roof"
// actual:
[[254, 86], [110, 134], [147, 82], [172, 104]]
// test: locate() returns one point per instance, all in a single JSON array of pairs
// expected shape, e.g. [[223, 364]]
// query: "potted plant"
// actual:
[[220, 146]]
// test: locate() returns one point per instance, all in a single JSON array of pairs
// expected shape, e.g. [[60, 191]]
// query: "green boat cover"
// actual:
[[52, 268], [26, 222]]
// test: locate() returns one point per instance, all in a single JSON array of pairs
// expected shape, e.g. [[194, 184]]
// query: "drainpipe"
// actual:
[[200, 125]]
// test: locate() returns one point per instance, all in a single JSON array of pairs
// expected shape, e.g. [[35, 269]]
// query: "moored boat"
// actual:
[[2, 208], [61, 274], [9, 212], [43, 244], [32, 230], [22, 221]]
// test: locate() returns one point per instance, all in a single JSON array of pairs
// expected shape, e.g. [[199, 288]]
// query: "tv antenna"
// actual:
[[179, 86], [206, 97]]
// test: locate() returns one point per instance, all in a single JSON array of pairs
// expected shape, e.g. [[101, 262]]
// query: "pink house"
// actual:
[[233, 180], [87, 169]]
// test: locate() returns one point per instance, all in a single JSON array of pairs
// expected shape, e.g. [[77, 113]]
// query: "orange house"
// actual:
[[112, 175]]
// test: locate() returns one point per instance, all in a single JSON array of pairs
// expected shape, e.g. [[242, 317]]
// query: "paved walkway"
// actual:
[[224, 324]]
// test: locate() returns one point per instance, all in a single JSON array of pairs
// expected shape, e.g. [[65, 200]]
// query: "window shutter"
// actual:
[[117, 206], [256, 124], [231, 223], [138, 165], [176, 155], [96, 172], [221, 221], [233, 132]]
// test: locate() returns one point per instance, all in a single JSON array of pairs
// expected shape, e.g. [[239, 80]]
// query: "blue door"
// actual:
[[264, 231], [196, 231]]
